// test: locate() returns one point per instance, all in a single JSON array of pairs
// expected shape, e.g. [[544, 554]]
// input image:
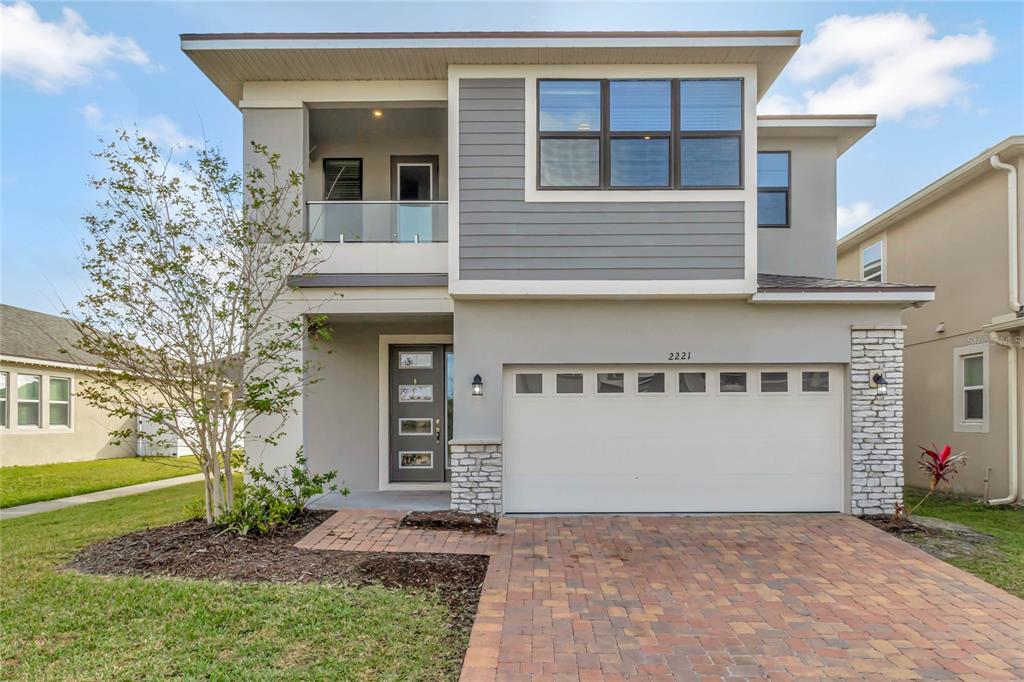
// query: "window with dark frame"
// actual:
[[773, 181], [640, 134], [343, 179]]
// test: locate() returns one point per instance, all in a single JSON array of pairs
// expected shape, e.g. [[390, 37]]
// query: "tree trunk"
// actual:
[[208, 490], [229, 481]]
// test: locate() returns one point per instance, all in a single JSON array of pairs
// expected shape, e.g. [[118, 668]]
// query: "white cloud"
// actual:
[[852, 216], [52, 55], [159, 129], [889, 64]]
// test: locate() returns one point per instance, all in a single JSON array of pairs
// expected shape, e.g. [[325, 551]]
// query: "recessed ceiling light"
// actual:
[[377, 113]]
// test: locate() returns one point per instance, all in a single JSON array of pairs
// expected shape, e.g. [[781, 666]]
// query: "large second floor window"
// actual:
[[773, 189], [639, 134]]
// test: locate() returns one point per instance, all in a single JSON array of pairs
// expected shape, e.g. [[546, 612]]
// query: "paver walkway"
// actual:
[[75, 500], [714, 597]]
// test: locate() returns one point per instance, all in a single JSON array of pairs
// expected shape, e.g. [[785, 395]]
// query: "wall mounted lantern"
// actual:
[[478, 385], [878, 382]]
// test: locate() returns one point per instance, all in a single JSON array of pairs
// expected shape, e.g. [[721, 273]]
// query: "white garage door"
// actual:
[[673, 439]]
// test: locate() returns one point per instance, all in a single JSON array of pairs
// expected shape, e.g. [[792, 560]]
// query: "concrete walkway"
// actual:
[[75, 500]]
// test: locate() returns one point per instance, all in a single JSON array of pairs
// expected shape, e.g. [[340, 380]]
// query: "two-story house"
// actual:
[[575, 272], [963, 381]]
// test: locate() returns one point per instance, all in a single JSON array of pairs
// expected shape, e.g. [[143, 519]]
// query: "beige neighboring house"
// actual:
[[963, 379], [42, 417]]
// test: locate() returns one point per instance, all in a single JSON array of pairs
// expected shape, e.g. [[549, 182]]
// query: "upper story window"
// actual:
[[773, 189], [639, 134], [872, 262], [343, 179]]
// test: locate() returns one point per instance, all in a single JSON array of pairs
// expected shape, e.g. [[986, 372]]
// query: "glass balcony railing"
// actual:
[[367, 222]]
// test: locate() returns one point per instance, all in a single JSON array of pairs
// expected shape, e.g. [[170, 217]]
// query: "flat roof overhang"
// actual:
[[231, 59], [847, 129]]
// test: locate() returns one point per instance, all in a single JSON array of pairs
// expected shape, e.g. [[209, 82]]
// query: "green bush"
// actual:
[[272, 500]]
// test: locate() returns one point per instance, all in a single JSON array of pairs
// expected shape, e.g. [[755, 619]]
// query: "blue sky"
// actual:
[[947, 79]]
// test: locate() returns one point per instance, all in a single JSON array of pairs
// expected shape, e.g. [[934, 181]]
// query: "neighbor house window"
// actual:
[[3, 399], [639, 134], [28, 399], [60, 401], [872, 263], [343, 179], [970, 402], [773, 189]]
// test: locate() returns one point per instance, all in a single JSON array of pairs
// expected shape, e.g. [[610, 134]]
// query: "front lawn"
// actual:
[[63, 625], [25, 484], [1003, 567]]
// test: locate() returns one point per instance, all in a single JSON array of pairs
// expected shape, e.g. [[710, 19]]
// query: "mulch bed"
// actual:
[[942, 539], [482, 524], [192, 549]]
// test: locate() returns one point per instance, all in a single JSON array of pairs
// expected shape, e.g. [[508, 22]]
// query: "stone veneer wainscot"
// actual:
[[876, 421], [476, 476]]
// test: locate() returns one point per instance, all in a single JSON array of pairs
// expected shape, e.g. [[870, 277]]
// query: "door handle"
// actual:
[[437, 431]]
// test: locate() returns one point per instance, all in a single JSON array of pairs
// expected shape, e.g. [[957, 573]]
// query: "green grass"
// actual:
[[22, 485], [62, 625], [1005, 523]]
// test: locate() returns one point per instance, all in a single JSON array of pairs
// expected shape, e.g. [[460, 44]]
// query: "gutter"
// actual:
[[1013, 246]]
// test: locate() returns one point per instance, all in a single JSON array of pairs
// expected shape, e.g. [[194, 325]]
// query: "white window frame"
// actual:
[[6, 402], [867, 245], [710, 381], [800, 384], [652, 394], [39, 401], [769, 394], [49, 400], [749, 390], [960, 424]]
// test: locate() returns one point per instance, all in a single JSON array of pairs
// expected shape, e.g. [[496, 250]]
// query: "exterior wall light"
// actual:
[[478, 385], [377, 113], [878, 382]]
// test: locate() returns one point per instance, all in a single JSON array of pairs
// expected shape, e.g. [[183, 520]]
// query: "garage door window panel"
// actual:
[[693, 383], [611, 383], [650, 383], [569, 383], [775, 382], [529, 383], [814, 382], [732, 382]]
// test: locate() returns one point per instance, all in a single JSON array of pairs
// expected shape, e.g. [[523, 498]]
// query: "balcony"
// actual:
[[377, 222]]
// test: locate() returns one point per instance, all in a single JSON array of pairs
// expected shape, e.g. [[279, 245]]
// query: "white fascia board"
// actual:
[[488, 43], [36, 362], [717, 288], [887, 297]]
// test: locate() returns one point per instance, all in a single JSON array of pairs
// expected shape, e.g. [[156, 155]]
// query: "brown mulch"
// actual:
[[192, 549], [943, 540], [482, 524]]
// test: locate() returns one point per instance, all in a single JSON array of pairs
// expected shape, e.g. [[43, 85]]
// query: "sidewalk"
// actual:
[[74, 501]]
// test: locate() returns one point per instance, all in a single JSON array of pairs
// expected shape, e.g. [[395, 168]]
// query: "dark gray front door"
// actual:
[[417, 413]]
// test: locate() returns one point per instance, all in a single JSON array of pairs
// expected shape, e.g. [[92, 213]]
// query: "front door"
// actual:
[[418, 429], [414, 183]]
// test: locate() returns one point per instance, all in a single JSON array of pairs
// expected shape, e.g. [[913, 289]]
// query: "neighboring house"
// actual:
[[575, 272], [963, 369], [42, 417]]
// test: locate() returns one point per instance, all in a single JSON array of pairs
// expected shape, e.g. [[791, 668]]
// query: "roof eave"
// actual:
[[1013, 145]]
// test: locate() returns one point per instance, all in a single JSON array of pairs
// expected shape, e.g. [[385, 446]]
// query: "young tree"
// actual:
[[189, 265]]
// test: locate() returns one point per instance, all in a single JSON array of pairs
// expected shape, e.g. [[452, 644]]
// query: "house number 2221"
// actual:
[[680, 355]]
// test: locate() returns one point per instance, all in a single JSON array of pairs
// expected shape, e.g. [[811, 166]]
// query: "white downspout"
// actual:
[[1011, 214], [1011, 358]]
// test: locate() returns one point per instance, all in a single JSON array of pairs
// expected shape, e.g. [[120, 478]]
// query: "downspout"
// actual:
[[1011, 359]]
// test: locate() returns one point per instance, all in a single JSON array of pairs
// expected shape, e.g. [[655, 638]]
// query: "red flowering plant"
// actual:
[[941, 466]]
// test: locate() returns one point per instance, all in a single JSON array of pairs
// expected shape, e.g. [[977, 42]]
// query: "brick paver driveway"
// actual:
[[785, 597]]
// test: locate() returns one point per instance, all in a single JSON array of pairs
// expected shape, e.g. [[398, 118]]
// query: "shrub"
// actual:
[[272, 500], [941, 466]]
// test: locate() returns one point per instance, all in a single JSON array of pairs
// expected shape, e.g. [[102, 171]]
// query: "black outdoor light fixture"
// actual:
[[478, 385], [878, 382]]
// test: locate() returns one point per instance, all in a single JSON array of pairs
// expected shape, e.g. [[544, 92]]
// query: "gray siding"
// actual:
[[503, 237]]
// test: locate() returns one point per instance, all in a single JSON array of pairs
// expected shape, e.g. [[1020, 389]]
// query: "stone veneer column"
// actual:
[[876, 422], [476, 476]]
